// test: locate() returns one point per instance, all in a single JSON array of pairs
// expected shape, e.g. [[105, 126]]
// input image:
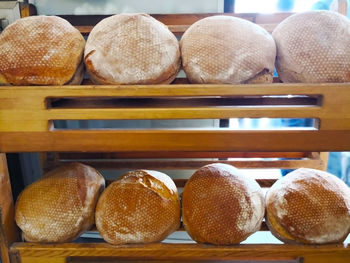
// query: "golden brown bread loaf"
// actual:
[[60, 206], [132, 49], [309, 206], [221, 206], [225, 49], [41, 50], [313, 47], [141, 207]]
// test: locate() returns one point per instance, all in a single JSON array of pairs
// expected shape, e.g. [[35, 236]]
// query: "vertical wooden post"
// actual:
[[324, 157], [340, 6], [8, 229]]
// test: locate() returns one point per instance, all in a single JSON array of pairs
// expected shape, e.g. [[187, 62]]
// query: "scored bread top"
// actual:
[[221, 206], [138, 208], [60, 206], [132, 49], [225, 49], [40, 50], [309, 206], [313, 47]]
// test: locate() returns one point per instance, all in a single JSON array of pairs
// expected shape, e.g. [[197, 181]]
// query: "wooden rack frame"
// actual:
[[26, 125]]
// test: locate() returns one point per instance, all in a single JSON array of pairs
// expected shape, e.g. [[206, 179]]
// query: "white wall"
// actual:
[[79, 7]]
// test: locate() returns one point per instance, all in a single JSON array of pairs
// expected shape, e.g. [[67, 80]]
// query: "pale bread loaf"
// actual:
[[309, 206], [221, 206], [132, 49], [60, 206], [41, 50], [313, 47], [141, 207], [225, 49]]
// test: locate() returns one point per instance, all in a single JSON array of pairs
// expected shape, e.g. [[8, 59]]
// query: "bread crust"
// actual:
[[132, 49], [60, 206], [141, 207], [309, 206], [221, 206], [40, 50], [313, 47], [228, 50]]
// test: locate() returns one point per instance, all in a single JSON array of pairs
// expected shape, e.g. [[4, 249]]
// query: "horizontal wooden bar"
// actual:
[[167, 19], [176, 29], [181, 183], [182, 19], [196, 164], [182, 113], [23, 108], [174, 140], [176, 90], [326, 253], [159, 155]]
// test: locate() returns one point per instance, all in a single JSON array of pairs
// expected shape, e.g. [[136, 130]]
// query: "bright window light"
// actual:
[[273, 6]]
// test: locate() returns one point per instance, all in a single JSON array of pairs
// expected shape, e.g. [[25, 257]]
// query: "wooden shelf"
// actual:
[[97, 252], [26, 118], [26, 125]]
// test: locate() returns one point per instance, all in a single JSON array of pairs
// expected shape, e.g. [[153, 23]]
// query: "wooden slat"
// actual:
[[340, 6], [178, 23], [164, 140], [182, 252], [196, 164], [176, 29], [180, 113], [269, 27], [169, 19], [11, 95], [159, 155], [181, 183], [8, 229], [24, 108], [324, 157]]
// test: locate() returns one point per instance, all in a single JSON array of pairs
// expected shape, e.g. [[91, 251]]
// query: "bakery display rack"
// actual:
[[27, 124]]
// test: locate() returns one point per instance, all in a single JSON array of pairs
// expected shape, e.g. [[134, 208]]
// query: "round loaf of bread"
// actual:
[[221, 206], [313, 47], [309, 206], [60, 206], [132, 49], [225, 49], [141, 207], [41, 50]]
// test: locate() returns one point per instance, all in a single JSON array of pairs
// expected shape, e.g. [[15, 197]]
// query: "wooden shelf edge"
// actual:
[[174, 140], [181, 251]]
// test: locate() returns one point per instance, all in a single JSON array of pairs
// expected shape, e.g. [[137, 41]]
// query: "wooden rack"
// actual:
[[26, 126], [27, 116]]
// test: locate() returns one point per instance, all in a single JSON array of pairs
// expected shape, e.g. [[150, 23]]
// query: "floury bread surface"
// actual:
[[60, 206], [141, 207], [132, 49], [221, 206], [229, 50], [41, 50], [313, 47], [309, 206]]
